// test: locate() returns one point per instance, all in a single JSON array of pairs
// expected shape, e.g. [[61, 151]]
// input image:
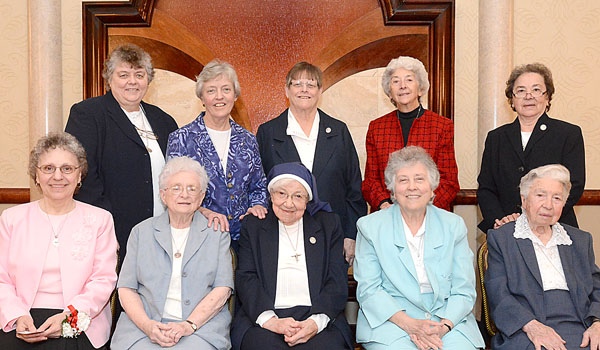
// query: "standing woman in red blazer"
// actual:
[[404, 82]]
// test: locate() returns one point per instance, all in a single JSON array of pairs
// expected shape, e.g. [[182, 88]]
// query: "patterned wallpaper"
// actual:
[[565, 35], [13, 94]]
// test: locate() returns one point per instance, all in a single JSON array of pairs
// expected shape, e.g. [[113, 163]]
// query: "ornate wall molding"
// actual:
[[439, 16]]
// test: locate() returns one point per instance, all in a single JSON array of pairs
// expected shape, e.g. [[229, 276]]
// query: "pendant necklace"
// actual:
[[178, 254], [145, 133], [296, 255], [55, 233]]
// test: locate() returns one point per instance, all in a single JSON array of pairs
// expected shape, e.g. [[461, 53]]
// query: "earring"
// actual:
[[79, 184]]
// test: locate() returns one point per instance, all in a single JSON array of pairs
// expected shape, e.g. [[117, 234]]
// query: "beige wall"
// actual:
[[563, 35]]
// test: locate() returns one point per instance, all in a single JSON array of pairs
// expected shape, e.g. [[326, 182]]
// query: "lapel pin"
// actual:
[[328, 130], [543, 127], [312, 240]]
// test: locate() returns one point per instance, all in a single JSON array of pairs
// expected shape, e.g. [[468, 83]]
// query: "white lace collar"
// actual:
[[523, 231]]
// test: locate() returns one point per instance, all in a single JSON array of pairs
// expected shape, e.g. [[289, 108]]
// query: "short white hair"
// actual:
[[552, 171], [409, 156], [408, 63], [179, 164]]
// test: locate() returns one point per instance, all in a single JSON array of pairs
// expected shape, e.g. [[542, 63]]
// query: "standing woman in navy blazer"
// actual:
[[304, 133], [125, 140], [542, 281], [532, 140]]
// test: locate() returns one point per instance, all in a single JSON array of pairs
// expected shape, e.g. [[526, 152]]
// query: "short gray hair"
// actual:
[[552, 171], [179, 164], [408, 63], [409, 156], [212, 70], [53, 141], [131, 54]]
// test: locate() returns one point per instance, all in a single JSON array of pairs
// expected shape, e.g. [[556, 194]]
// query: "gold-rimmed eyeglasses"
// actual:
[[281, 196], [191, 190], [535, 92], [50, 169]]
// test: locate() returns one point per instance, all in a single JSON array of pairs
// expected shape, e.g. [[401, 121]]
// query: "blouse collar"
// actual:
[[523, 231]]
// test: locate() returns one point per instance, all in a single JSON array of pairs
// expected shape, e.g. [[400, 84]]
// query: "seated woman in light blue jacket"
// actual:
[[177, 274], [414, 268]]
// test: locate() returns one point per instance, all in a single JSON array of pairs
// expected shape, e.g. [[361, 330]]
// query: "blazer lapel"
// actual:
[[566, 259], [268, 241], [118, 116], [285, 148], [161, 133], [207, 148], [162, 234], [197, 236], [315, 254], [325, 144], [528, 254], [400, 242], [513, 133], [433, 241], [539, 131]]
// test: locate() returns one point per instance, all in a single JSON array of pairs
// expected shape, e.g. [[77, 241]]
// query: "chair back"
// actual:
[[482, 254]]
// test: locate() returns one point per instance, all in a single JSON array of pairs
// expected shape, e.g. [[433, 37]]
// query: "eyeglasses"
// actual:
[[282, 196], [310, 85], [191, 190], [50, 169], [535, 92]]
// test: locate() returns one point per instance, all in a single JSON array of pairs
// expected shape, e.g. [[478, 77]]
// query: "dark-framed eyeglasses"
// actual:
[[50, 169]]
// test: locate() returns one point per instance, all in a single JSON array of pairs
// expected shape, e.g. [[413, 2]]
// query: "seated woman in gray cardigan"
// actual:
[[177, 274]]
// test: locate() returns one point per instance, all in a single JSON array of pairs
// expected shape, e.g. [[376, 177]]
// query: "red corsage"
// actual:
[[75, 323]]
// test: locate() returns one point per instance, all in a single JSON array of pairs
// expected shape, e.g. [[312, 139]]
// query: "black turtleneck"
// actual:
[[407, 119]]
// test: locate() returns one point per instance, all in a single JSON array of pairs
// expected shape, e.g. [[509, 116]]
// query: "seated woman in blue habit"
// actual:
[[291, 277]]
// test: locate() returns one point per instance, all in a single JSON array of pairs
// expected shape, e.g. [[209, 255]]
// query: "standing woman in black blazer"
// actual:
[[303, 133], [125, 140], [532, 140]]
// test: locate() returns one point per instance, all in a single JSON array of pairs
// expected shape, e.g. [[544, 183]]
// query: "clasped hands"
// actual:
[[294, 332], [425, 334], [543, 336], [166, 334], [51, 328]]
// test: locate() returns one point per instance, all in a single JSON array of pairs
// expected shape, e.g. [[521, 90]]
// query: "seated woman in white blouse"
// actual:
[[542, 282], [291, 278], [177, 273]]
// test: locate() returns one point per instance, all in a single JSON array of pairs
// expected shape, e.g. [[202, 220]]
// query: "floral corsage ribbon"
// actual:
[[75, 323]]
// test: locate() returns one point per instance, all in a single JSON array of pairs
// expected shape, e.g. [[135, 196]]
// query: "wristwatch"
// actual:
[[194, 327]]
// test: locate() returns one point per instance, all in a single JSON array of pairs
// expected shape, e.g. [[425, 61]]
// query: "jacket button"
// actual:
[[521, 169], [231, 196], [184, 274], [427, 315], [229, 176], [187, 302], [229, 217], [229, 185]]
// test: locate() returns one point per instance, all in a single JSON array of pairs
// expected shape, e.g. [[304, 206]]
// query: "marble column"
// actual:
[[45, 70], [495, 64]]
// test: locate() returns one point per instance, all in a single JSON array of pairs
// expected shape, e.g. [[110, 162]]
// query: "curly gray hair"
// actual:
[[131, 54], [409, 156], [179, 164], [408, 63], [53, 141]]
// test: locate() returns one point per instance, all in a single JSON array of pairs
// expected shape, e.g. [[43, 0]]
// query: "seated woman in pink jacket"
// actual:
[[57, 258]]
